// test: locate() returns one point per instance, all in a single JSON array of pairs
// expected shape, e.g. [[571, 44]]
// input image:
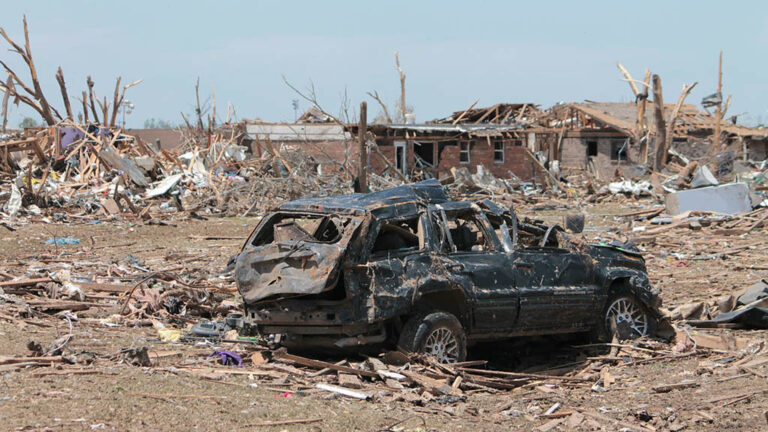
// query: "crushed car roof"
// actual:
[[398, 201]]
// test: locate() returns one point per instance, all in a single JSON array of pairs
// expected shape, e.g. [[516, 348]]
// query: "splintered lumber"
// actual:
[[669, 387], [4, 360], [343, 391], [322, 365], [520, 375], [436, 387], [647, 213], [104, 287], [459, 118], [603, 418], [67, 372], [737, 395], [495, 383], [284, 422], [65, 305], [24, 282], [177, 396]]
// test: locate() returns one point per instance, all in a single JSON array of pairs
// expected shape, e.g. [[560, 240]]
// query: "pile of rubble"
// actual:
[[96, 172]]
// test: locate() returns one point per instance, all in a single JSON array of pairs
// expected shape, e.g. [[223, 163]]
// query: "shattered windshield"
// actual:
[[301, 227]]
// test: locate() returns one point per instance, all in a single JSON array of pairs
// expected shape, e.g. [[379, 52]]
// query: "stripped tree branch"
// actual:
[[84, 101], [629, 79], [115, 103], [375, 95], [673, 118], [90, 97], [36, 91], [64, 96]]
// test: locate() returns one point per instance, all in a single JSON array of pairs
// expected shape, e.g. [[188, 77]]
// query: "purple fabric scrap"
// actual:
[[228, 358]]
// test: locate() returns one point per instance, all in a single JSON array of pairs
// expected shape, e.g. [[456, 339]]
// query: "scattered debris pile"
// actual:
[[87, 170]]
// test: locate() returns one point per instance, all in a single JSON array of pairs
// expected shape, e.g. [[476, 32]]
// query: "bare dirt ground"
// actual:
[[714, 389]]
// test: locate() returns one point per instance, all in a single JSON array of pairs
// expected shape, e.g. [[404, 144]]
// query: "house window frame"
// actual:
[[499, 151], [401, 160], [617, 144], [596, 145], [467, 152]]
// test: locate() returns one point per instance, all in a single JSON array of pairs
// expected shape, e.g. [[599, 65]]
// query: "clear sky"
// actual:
[[452, 52]]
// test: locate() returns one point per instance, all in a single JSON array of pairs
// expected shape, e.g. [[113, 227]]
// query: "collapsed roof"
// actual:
[[622, 116], [502, 113]]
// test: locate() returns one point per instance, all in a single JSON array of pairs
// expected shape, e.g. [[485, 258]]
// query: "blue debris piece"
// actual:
[[63, 241]]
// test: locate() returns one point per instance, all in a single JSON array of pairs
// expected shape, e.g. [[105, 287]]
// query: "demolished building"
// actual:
[[498, 138], [603, 136]]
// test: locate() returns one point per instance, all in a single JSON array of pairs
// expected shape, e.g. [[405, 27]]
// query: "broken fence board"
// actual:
[[322, 365]]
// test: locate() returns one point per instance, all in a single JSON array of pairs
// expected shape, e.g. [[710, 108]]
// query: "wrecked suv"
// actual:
[[409, 267]]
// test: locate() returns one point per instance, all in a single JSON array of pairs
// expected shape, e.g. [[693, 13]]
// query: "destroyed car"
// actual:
[[409, 267]]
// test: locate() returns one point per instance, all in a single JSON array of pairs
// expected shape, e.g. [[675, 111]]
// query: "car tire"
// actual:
[[633, 319], [439, 334]]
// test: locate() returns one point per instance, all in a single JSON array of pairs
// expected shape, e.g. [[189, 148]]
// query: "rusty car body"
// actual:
[[408, 266]]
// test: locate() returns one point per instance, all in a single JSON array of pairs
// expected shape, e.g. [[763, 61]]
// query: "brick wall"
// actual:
[[480, 153], [574, 154]]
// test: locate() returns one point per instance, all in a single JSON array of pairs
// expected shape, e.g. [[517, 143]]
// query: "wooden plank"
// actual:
[[4, 360], [520, 375], [24, 282], [282, 355], [104, 287]]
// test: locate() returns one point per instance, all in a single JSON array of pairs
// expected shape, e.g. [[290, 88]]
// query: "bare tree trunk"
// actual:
[[661, 128], [212, 122], [198, 109], [362, 172], [105, 110], [64, 95], [6, 96], [90, 97], [641, 117], [85, 107], [41, 106], [673, 118], [116, 102], [403, 108]]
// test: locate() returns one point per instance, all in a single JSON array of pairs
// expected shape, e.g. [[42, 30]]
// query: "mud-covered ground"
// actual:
[[183, 390]]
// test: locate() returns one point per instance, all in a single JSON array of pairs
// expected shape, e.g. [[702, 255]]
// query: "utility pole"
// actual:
[[126, 106], [719, 109], [362, 174]]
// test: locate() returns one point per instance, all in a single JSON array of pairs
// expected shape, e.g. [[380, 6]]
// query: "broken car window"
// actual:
[[310, 228], [467, 233], [398, 237], [534, 234]]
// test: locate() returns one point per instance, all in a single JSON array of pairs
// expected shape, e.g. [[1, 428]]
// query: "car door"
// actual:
[[557, 288], [483, 266], [397, 260]]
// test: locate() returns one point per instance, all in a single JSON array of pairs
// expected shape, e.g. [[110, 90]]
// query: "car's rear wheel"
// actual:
[[632, 319], [438, 334]]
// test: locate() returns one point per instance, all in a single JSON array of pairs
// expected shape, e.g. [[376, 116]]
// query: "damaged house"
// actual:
[[328, 143], [603, 136], [496, 138]]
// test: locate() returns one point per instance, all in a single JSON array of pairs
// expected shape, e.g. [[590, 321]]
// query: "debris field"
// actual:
[[119, 301]]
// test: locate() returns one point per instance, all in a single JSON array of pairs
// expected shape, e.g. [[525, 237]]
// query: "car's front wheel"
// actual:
[[438, 334], [632, 319]]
